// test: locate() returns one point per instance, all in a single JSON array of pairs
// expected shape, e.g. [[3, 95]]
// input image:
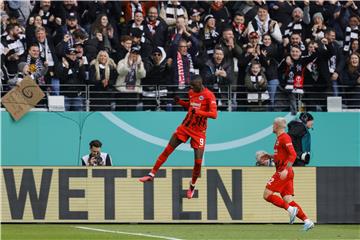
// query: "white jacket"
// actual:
[[123, 68]]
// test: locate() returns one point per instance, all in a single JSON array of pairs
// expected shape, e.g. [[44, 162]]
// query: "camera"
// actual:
[[305, 157], [98, 159]]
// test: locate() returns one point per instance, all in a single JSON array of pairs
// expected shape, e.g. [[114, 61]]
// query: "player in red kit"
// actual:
[[201, 106], [283, 180]]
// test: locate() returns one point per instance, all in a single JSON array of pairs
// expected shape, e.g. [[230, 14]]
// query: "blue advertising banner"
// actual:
[[137, 138]]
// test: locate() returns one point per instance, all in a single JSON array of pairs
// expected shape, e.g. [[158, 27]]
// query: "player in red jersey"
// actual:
[[201, 106], [283, 179]]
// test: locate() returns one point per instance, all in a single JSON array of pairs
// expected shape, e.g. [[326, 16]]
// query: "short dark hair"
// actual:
[[196, 78], [33, 45], [219, 47], [125, 38], [11, 26], [328, 30], [305, 117], [95, 143], [78, 33], [226, 29]]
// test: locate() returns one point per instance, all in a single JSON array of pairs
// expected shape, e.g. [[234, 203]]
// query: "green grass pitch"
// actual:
[[175, 231]]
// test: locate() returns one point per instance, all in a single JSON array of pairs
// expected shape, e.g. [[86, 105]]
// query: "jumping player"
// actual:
[[201, 106], [283, 180]]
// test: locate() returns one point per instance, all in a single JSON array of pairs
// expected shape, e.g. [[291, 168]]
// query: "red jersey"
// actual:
[[284, 152], [204, 104]]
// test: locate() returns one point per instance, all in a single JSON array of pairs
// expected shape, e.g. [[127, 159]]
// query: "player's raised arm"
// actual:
[[183, 103]]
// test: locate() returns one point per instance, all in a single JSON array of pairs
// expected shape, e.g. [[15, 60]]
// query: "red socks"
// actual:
[[277, 201], [162, 158], [196, 171], [301, 215]]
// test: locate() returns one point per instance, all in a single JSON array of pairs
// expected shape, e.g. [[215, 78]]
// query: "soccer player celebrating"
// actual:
[[201, 106], [283, 180]]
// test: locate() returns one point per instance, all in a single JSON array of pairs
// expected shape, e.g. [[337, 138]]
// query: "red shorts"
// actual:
[[198, 139], [284, 187]]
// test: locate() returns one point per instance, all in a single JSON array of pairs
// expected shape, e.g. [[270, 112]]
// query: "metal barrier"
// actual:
[[160, 98]]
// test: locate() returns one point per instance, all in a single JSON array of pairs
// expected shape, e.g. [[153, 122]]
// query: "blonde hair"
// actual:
[[281, 122], [109, 63]]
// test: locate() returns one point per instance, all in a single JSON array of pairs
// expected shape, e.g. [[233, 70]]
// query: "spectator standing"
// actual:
[[256, 86], [171, 11], [14, 47], [131, 70], [209, 36], [157, 74], [351, 78], [217, 75], [33, 66], [48, 55], [103, 75], [263, 24], [73, 75]]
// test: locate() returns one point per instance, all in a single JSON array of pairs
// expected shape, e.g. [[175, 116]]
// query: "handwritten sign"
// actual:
[[22, 98]]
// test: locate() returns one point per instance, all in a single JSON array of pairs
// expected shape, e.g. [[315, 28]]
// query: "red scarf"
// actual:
[[180, 71], [217, 8], [240, 28]]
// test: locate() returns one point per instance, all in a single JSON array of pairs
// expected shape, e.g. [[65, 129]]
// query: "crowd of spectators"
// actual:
[[267, 51]]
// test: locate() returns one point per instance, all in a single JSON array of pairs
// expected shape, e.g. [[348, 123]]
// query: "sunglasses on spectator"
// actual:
[[156, 54]]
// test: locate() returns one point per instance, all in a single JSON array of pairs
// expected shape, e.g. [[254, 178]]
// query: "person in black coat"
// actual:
[[157, 76], [48, 54], [155, 29], [298, 130], [351, 78], [73, 75], [103, 75]]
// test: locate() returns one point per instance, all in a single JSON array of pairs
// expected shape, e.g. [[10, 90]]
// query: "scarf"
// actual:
[[211, 34], [239, 27], [35, 68], [152, 26], [263, 27], [130, 79], [45, 53], [255, 79], [332, 64], [174, 11], [99, 66], [181, 73]]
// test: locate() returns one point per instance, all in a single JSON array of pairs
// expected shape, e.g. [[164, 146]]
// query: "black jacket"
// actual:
[[300, 137], [155, 74], [98, 83], [159, 38], [73, 75], [213, 82]]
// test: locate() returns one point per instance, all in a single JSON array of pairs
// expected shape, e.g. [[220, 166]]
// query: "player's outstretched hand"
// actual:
[[176, 99]]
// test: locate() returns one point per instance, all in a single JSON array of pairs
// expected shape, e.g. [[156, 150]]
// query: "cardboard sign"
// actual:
[[22, 98]]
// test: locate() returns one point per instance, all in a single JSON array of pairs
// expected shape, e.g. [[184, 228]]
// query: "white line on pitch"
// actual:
[[128, 233]]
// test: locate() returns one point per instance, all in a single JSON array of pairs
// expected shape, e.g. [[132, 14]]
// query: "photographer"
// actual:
[[299, 132], [264, 159], [96, 157]]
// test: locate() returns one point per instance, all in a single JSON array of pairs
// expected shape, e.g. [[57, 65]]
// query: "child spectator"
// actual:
[[256, 86]]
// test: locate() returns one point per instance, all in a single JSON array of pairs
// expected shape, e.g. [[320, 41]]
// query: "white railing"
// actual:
[[160, 98]]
